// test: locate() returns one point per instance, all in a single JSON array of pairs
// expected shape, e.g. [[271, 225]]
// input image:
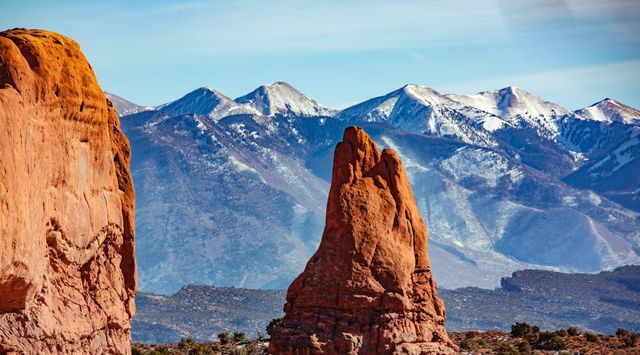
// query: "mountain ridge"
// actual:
[[476, 189]]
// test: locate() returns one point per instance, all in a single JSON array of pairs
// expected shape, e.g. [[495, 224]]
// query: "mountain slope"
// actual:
[[281, 98], [244, 201], [125, 107], [518, 107], [204, 101], [609, 110], [423, 110]]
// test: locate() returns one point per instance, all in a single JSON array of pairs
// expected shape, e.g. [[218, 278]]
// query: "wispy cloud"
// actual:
[[258, 27], [136, 46]]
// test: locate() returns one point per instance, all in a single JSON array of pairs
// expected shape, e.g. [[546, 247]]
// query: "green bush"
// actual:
[[238, 336], [550, 341], [159, 351], [524, 347], [520, 330], [507, 349], [621, 332], [224, 338], [573, 331], [469, 344], [275, 322], [632, 340], [186, 343], [526, 331], [207, 348], [562, 333], [591, 337]]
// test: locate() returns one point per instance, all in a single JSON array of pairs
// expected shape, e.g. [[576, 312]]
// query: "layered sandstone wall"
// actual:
[[67, 258]]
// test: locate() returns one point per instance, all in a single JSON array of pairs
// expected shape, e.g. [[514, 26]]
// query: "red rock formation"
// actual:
[[67, 266], [369, 288]]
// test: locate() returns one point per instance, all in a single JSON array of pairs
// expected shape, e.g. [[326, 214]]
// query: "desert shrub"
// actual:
[[520, 330], [255, 349], [526, 331], [562, 333], [275, 322], [591, 337], [632, 340], [469, 344], [550, 341], [186, 343], [238, 336], [621, 332], [136, 351], [524, 347], [224, 338], [573, 331], [471, 334], [159, 351], [506, 349], [239, 351], [204, 349]]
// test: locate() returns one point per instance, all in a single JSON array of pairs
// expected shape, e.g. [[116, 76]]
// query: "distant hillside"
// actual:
[[201, 312], [600, 302]]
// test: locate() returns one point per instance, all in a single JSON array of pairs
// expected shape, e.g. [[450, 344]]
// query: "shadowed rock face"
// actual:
[[368, 289], [67, 260]]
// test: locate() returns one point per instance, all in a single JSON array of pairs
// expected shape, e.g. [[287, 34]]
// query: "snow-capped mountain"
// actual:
[[207, 102], [125, 107], [518, 107], [609, 110], [420, 109], [244, 202], [281, 98]]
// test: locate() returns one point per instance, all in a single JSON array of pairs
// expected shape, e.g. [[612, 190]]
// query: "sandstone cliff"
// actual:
[[67, 260], [368, 289]]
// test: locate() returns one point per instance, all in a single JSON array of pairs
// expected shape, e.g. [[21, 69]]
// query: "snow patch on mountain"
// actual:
[[609, 110], [410, 164], [479, 163], [205, 101], [518, 107], [423, 110], [283, 99]]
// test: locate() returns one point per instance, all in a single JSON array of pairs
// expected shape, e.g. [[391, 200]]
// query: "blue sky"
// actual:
[[342, 52]]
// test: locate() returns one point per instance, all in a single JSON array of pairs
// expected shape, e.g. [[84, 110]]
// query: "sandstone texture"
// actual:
[[369, 288], [67, 258]]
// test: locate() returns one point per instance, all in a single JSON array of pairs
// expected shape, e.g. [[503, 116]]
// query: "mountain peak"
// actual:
[[125, 107], [205, 101], [610, 110], [283, 84], [281, 98], [422, 94]]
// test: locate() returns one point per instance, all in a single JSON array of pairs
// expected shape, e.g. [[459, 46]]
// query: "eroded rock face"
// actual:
[[369, 288], [67, 260]]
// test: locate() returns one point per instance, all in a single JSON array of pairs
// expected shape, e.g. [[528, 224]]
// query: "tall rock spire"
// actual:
[[368, 289]]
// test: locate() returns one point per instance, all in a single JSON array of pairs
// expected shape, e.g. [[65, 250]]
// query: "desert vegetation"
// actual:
[[523, 339]]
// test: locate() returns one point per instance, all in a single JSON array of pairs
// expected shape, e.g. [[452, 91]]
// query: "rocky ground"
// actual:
[[490, 342]]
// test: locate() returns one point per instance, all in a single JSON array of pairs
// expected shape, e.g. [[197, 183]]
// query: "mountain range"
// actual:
[[232, 192]]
